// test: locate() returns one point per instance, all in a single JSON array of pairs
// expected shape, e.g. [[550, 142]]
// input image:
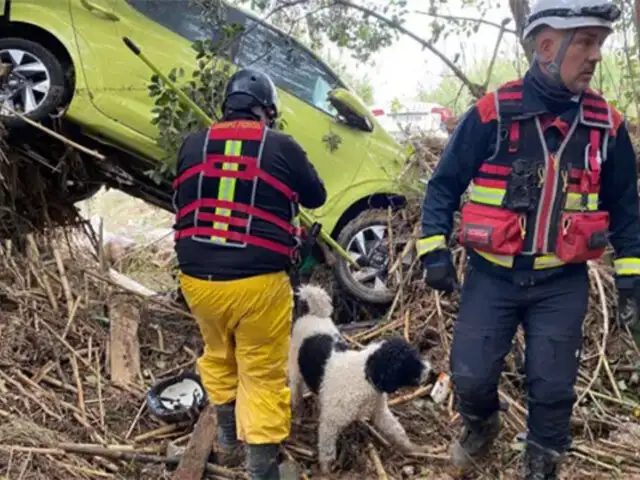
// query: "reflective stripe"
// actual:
[[227, 186], [502, 260], [429, 244], [574, 201], [627, 266], [486, 195], [539, 263], [547, 261]]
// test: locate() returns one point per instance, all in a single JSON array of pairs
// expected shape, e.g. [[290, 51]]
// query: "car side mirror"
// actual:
[[351, 109]]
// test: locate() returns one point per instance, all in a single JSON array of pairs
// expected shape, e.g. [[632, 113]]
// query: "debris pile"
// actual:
[[81, 345], [34, 193]]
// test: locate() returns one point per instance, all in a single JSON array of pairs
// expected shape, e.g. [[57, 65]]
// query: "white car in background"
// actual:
[[412, 118]]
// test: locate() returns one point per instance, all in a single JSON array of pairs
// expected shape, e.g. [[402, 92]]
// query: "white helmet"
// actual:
[[569, 14]]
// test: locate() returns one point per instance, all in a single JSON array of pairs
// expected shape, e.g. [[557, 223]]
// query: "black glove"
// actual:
[[629, 310], [439, 272]]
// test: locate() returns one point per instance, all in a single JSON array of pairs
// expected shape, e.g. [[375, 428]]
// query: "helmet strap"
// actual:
[[554, 67]]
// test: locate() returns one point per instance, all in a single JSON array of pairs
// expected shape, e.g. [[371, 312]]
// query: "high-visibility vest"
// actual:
[[562, 223], [222, 205]]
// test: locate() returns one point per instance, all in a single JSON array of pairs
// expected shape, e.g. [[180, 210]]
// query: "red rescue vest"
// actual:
[[562, 223], [231, 167]]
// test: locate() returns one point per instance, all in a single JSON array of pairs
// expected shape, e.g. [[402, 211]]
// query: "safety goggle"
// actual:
[[609, 12]]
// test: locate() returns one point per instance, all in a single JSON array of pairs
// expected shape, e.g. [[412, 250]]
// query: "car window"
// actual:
[[183, 19], [289, 66]]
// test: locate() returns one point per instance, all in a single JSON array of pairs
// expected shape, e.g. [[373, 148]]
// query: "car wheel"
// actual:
[[32, 81], [367, 237]]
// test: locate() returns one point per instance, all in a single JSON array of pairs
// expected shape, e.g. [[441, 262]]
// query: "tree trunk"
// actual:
[[520, 11]]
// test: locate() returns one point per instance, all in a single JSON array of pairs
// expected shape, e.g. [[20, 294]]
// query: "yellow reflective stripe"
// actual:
[[295, 221], [547, 261], [227, 186], [539, 263], [429, 244], [627, 266], [502, 260], [574, 201], [486, 195]]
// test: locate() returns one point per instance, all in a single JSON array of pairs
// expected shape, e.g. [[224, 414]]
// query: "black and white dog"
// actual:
[[350, 384]]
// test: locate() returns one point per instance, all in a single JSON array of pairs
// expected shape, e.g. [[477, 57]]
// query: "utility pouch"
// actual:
[[521, 194], [490, 229], [582, 236]]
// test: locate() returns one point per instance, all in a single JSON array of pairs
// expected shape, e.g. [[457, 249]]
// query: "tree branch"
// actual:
[[495, 52], [476, 90], [468, 19]]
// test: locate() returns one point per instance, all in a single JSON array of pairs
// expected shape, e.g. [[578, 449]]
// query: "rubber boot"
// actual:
[[230, 452], [263, 461], [540, 464], [475, 441]]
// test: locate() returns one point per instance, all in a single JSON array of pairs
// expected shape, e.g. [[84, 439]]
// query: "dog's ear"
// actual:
[[394, 365]]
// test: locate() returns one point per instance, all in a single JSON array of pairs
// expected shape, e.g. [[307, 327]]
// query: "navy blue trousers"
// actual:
[[552, 313]]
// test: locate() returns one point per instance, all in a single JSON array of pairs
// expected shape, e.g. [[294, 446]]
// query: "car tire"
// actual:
[[45, 70], [367, 234]]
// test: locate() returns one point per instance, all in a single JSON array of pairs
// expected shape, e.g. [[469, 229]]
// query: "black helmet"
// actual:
[[254, 86]]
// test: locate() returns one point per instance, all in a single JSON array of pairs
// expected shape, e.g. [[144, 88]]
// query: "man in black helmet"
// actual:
[[236, 197]]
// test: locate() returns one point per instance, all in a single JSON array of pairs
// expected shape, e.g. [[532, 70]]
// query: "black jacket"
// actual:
[[283, 158], [474, 140]]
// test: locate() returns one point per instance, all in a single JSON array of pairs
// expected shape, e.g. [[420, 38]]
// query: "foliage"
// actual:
[[451, 92], [347, 24], [205, 87]]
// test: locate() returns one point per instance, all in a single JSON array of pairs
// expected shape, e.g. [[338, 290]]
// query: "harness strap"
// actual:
[[236, 236], [514, 136], [251, 171], [240, 207]]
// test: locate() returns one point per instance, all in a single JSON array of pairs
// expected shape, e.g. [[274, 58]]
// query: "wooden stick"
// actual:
[[116, 454], [201, 443], [79, 388], [377, 463], [62, 138], [407, 322], [410, 396]]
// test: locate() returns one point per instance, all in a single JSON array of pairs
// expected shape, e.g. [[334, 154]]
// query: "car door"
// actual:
[[117, 80], [94, 27], [335, 149]]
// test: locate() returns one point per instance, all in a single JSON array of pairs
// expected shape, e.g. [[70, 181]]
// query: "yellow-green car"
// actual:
[[68, 55]]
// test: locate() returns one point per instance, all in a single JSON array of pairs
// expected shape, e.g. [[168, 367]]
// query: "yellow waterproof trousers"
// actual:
[[246, 325]]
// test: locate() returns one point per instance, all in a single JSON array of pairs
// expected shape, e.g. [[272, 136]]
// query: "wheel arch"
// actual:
[[28, 31]]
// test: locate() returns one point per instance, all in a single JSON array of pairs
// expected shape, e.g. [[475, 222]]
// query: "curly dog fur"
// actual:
[[350, 384]]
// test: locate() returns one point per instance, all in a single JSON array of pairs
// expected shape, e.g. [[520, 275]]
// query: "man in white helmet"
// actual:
[[553, 180]]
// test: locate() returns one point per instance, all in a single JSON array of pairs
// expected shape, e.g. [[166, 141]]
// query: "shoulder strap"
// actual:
[[595, 111], [509, 107], [509, 99]]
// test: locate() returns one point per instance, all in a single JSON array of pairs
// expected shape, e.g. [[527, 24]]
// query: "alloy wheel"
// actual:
[[372, 243], [27, 85]]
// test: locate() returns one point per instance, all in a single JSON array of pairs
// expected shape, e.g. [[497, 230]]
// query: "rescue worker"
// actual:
[[553, 178], [236, 197]]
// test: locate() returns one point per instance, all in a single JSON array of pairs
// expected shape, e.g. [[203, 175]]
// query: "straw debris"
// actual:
[[62, 417]]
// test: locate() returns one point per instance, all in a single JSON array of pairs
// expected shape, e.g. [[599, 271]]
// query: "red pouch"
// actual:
[[582, 236], [491, 229]]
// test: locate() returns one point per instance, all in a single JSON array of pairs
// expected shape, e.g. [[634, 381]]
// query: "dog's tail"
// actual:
[[316, 300]]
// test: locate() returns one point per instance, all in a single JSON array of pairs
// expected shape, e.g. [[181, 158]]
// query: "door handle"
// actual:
[[92, 7]]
